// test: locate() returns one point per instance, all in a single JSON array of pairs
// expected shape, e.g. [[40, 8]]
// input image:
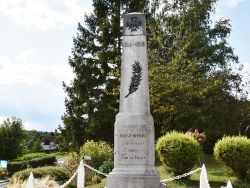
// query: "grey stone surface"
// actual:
[[134, 149]]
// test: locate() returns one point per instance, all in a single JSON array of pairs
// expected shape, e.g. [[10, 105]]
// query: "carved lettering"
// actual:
[[132, 135], [136, 44], [133, 145], [140, 158]]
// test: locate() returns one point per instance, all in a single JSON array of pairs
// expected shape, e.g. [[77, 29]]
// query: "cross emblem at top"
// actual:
[[134, 24]]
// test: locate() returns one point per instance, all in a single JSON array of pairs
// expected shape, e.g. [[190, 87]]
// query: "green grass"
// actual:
[[217, 176]]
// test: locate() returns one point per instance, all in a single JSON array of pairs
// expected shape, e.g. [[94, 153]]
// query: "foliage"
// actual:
[[90, 111], [42, 161], [11, 137], [57, 173], [178, 152], [32, 140], [71, 163], [30, 160], [22, 183], [30, 156], [3, 173], [37, 146], [106, 167], [234, 152], [15, 166], [98, 151], [96, 179], [194, 74]]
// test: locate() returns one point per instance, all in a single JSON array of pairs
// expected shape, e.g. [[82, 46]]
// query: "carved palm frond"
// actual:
[[135, 78]]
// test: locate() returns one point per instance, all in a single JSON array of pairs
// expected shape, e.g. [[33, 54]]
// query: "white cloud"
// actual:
[[23, 71], [27, 125], [230, 3], [30, 90], [4, 60], [23, 56], [43, 14], [19, 72], [2, 119]]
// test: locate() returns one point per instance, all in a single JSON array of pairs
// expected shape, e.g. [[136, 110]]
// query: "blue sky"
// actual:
[[36, 38]]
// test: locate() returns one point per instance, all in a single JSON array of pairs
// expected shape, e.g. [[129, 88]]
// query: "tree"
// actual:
[[37, 146], [30, 137], [91, 104], [191, 67], [11, 136], [193, 83]]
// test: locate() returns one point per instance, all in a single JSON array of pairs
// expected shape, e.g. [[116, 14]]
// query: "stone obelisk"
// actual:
[[134, 149]]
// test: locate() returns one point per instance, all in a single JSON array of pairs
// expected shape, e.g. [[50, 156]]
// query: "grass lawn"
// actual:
[[217, 176]]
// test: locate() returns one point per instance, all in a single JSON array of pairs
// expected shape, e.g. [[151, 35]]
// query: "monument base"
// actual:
[[134, 153], [133, 181]]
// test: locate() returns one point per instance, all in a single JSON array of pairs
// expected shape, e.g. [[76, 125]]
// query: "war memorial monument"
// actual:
[[134, 140]]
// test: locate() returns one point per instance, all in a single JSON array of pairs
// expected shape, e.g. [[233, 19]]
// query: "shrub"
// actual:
[[15, 166], [71, 162], [96, 179], [31, 156], [107, 167], [3, 173], [178, 152], [99, 152], [59, 174], [42, 161], [234, 152], [23, 163]]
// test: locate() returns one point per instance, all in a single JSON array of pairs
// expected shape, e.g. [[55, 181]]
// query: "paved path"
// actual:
[[4, 183], [60, 161]]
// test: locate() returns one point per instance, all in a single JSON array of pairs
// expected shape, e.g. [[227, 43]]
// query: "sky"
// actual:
[[36, 38]]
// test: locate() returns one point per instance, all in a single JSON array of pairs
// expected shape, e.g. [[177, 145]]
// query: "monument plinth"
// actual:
[[134, 149]]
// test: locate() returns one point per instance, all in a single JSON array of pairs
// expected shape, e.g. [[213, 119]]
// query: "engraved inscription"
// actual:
[[133, 145], [132, 44], [133, 135]]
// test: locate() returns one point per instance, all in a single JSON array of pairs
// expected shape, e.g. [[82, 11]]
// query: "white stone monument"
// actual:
[[134, 141]]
